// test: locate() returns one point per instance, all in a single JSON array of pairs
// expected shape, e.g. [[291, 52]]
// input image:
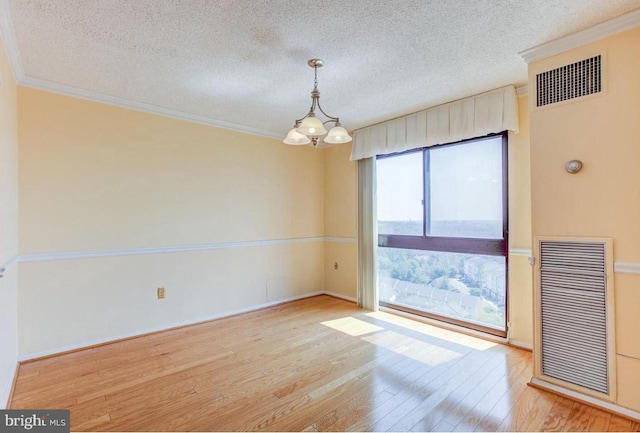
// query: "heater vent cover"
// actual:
[[569, 82], [573, 286]]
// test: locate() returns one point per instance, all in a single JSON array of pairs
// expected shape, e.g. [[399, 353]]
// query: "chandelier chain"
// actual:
[[315, 81]]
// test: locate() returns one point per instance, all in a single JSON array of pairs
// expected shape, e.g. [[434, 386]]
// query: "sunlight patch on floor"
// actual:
[[433, 331], [352, 326], [421, 351]]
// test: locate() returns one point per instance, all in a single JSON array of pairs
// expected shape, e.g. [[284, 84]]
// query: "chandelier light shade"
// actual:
[[337, 135], [295, 138], [309, 128], [312, 126]]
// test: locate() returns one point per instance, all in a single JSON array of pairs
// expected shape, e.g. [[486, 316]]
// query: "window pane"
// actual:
[[465, 287], [400, 187], [466, 190]]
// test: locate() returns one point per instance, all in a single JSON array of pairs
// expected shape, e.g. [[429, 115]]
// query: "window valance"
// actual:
[[479, 115]]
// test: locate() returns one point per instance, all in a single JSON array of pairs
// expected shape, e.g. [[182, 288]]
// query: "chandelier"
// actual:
[[309, 128]]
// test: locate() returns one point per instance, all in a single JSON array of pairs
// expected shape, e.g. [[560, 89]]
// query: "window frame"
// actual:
[[465, 245]]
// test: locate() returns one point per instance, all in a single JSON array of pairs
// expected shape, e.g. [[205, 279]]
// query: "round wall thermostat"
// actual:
[[574, 166]]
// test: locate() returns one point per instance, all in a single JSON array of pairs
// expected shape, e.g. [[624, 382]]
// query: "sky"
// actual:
[[465, 183]]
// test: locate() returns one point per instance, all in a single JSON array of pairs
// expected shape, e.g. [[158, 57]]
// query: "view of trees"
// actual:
[[461, 285]]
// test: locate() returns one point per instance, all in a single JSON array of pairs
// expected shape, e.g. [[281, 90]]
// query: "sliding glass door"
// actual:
[[443, 232]]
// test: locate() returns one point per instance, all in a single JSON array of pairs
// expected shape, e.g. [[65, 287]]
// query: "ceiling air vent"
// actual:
[[569, 82]]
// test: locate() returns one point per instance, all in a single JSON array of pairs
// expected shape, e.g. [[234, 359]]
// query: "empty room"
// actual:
[[239, 215]]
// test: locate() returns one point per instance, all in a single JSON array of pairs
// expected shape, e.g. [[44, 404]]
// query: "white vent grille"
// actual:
[[568, 82], [574, 317]]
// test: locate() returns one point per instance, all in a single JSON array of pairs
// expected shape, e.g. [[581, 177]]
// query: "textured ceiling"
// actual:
[[245, 61]]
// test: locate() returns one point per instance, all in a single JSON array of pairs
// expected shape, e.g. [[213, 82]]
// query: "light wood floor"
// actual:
[[318, 364]]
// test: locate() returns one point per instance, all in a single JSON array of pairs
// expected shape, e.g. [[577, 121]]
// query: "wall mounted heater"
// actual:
[[574, 345]]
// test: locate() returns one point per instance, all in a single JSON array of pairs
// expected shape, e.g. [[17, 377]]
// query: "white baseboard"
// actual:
[[521, 344], [6, 393], [611, 407], [87, 344], [338, 295]]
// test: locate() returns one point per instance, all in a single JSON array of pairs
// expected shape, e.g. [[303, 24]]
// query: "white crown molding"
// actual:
[[600, 31], [522, 90], [89, 95], [626, 268], [9, 41], [8, 37]]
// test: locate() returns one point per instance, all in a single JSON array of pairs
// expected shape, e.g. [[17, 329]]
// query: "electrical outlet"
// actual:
[[160, 292]]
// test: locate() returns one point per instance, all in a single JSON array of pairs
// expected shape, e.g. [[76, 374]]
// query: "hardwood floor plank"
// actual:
[[617, 423], [131, 400], [598, 420], [427, 381], [535, 416], [338, 397], [164, 372], [502, 412], [558, 415], [476, 414], [92, 424], [318, 364], [443, 404], [407, 408], [443, 426], [306, 380], [344, 416], [464, 399], [578, 419]]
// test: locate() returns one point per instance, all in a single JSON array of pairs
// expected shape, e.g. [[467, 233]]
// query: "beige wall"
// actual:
[[603, 200], [340, 192], [8, 227], [70, 303], [520, 272], [340, 221], [94, 177]]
